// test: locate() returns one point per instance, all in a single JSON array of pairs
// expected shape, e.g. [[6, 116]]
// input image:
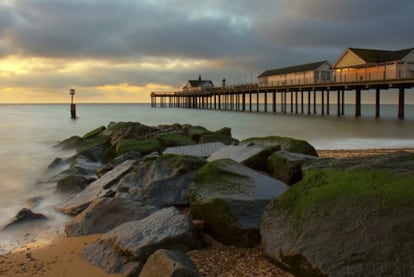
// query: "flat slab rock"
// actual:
[[198, 150], [99, 188], [238, 153]]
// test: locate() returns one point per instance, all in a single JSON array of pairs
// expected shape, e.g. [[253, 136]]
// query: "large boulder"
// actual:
[[169, 263], [99, 188], [127, 247], [349, 217], [287, 166], [106, 213], [162, 182], [285, 143], [230, 198]]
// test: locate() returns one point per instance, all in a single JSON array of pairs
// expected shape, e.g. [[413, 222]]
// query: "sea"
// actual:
[[28, 134]]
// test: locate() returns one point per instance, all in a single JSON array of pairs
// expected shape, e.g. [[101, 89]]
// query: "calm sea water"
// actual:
[[28, 132]]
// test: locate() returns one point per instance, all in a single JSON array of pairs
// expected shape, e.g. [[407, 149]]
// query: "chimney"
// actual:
[[199, 77]]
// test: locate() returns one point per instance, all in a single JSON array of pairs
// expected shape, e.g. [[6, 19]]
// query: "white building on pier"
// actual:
[[357, 64]]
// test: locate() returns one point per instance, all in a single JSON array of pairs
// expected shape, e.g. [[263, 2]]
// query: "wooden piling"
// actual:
[[401, 103]]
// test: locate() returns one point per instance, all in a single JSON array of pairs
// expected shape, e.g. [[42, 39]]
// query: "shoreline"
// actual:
[[63, 256]]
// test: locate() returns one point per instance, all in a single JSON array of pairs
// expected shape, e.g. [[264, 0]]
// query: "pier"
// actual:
[[285, 98]]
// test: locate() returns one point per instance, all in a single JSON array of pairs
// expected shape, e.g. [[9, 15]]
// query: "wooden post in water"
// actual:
[[328, 109], [338, 103], [72, 93], [323, 102], [401, 103], [358, 102], [377, 103], [301, 101]]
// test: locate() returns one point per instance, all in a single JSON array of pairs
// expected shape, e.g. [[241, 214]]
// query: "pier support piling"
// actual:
[[401, 102]]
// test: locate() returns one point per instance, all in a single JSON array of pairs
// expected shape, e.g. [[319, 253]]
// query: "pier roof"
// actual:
[[380, 56], [293, 69]]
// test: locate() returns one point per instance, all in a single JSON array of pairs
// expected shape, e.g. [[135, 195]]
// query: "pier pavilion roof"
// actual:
[[293, 69], [360, 56]]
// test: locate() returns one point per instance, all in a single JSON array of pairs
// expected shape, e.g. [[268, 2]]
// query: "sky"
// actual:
[[121, 51]]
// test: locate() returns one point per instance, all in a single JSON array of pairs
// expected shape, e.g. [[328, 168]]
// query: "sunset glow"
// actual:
[[121, 51]]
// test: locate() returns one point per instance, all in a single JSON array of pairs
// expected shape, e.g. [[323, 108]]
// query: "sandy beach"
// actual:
[[63, 256], [60, 258]]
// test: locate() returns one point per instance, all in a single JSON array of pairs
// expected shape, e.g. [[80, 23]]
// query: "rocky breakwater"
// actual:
[[158, 190]]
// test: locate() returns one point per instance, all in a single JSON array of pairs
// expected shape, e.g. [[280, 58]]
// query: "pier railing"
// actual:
[[234, 97]]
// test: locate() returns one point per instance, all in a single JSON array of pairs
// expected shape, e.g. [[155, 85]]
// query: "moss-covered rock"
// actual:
[[73, 184], [352, 219], [163, 181], [93, 133], [93, 148], [230, 198], [129, 130], [285, 143], [194, 132], [71, 143], [287, 166], [144, 146], [175, 139]]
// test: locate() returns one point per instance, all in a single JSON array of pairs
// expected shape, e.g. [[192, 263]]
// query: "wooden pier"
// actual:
[[291, 97]]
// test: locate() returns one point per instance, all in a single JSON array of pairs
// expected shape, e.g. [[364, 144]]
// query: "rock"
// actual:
[[169, 263], [94, 133], [87, 173], [73, 184], [174, 139], [285, 143], [23, 216], [352, 218], [104, 214], [223, 135], [56, 163], [144, 146], [132, 155], [203, 150], [251, 155], [230, 199], [137, 240], [94, 148], [194, 132], [99, 188], [70, 143], [287, 166], [162, 181], [129, 130]]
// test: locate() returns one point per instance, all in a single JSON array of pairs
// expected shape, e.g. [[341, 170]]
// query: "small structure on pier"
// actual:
[[197, 85], [357, 64], [310, 73]]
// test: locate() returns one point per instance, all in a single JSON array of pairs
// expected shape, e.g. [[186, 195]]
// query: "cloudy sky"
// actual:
[[120, 51]]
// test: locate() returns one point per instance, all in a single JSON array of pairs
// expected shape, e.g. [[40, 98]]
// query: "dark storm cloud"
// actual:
[[115, 29], [238, 37]]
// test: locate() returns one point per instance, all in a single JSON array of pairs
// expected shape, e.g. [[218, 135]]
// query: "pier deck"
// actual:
[[234, 97]]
